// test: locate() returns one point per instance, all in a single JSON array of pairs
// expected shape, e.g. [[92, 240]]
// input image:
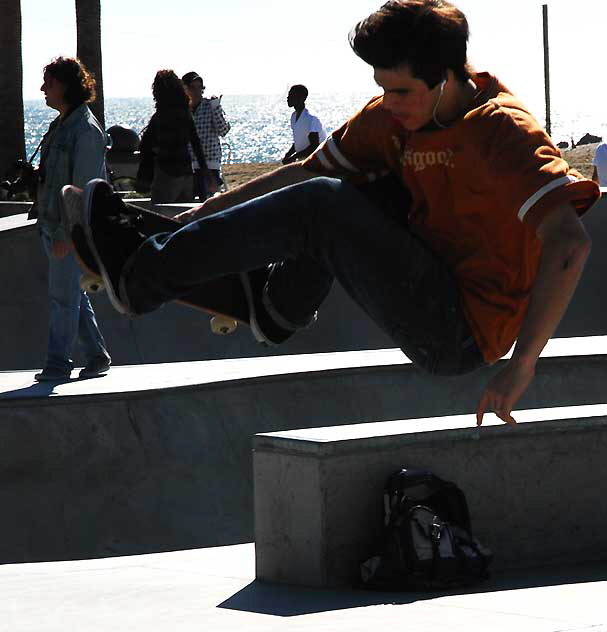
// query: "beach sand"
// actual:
[[579, 158], [239, 173]]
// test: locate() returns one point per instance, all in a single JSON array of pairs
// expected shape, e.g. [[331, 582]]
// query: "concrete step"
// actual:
[[535, 491]]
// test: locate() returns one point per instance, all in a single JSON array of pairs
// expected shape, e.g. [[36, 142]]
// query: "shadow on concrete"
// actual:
[[36, 389], [283, 600]]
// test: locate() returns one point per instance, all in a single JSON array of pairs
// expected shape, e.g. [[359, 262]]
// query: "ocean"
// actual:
[[260, 123]]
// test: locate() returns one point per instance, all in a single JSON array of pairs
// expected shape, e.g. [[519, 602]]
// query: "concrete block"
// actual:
[[535, 491]]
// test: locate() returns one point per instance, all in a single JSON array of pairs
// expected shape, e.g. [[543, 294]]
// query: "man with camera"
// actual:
[[211, 123], [72, 152]]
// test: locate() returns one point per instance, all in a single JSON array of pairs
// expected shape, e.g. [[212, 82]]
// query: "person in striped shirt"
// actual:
[[442, 207], [211, 123]]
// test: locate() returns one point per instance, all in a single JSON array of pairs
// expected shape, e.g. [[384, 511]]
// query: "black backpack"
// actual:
[[428, 543]]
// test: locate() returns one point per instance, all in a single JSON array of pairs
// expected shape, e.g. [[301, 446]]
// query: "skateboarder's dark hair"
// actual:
[[78, 81], [168, 91], [429, 36]]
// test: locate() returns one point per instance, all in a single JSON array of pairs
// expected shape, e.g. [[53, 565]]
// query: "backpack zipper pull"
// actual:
[[437, 530]]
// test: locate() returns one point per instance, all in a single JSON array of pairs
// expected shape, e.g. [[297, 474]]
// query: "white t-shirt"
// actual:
[[600, 162], [303, 126]]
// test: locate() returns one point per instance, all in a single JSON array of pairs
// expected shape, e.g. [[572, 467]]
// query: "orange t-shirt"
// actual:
[[480, 188]]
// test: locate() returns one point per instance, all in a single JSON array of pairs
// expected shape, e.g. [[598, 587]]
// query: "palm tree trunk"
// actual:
[[12, 142], [88, 50]]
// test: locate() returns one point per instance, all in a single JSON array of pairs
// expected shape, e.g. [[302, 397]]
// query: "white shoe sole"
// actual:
[[253, 324], [89, 189]]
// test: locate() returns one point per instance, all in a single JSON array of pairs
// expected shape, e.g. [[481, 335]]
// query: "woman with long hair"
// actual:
[[165, 141]]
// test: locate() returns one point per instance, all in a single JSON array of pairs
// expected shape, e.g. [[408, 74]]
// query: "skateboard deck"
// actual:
[[224, 298]]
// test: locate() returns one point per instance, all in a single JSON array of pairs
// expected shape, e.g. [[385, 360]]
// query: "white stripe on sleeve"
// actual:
[[341, 159], [538, 195], [320, 154]]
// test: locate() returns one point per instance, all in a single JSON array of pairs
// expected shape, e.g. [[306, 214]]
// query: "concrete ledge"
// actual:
[[14, 208], [379, 383], [535, 491]]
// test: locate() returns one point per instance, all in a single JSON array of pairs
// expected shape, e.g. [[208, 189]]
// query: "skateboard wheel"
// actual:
[[222, 326], [91, 284]]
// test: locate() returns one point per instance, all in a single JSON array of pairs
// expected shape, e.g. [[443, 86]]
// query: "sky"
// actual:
[[263, 46]]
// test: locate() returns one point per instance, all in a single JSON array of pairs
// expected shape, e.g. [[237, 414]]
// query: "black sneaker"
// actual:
[[52, 374], [95, 368], [265, 329], [274, 312], [113, 236]]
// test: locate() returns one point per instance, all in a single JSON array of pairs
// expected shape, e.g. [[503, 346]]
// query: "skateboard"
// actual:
[[224, 299]]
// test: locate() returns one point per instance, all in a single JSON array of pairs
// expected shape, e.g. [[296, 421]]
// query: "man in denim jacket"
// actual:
[[73, 152]]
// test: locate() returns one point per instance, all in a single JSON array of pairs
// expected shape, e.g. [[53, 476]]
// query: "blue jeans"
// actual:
[[71, 315], [319, 230]]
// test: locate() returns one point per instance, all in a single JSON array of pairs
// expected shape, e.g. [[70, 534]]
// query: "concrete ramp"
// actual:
[[158, 457]]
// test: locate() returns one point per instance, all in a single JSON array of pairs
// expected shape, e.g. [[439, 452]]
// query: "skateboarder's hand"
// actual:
[[210, 206], [504, 390], [193, 214], [188, 216], [60, 249]]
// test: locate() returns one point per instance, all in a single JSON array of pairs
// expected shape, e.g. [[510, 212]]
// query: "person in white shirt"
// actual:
[[308, 131], [599, 174]]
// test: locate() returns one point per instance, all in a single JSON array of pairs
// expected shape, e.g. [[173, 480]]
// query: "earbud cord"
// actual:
[[440, 96]]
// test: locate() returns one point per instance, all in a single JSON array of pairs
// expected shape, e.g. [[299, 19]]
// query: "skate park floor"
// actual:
[[215, 589]]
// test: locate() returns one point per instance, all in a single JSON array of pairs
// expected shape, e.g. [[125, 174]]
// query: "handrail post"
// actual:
[[546, 69]]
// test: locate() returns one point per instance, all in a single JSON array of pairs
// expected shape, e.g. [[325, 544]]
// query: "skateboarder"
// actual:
[[480, 248]]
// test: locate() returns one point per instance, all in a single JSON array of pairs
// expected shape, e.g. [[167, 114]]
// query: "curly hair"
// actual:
[[78, 81], [168, 91], [430, 36]]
